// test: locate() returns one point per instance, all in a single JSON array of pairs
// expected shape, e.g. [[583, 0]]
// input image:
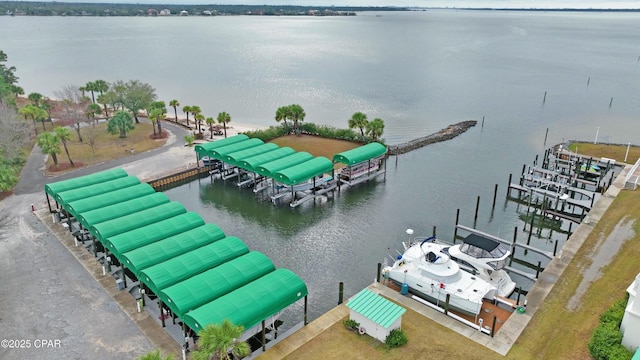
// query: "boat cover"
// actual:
[[360, 154], [304, 171], [202, 150]]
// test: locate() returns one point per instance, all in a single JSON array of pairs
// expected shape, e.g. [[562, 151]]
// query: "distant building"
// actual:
[[184, 13], [206, 13], [630, 326], [152, 12], [165, 12]]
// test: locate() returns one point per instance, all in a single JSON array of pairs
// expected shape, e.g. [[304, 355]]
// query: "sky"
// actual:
[[526, 4]]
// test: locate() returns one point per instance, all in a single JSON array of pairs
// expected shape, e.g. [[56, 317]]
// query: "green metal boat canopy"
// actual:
[[235, 157], [221, 152], [251, 163], [360, 154], [202, 150], [250, 304], [304, 171], [171, 249], [269, 169]]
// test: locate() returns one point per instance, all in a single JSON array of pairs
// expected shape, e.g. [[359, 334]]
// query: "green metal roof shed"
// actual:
[[377, 316], [269, 169], [96, 216], [214, 283], [221, 152], [68, 196], [252, 303], [235, 157], [162, 250], [203, 149], [107, 229], [304, 171], [251, 163], [61, 186], [165, 274], [360, 154], [147, 233], [110, 198]]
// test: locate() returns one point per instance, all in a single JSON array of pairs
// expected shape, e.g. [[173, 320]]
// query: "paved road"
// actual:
[[45, 294]]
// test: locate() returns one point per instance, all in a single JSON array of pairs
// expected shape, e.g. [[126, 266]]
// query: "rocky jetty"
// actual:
[[447, 133]]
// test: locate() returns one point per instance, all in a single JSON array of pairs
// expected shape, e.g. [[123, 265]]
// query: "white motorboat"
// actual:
[[350, 173], [430, 273], [486, 258]]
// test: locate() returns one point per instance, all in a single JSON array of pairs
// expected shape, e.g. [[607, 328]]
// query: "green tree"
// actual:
[[50, 145], [121, 123], [375, 129], [187, 110], [154, 355], [297, 115], [174, 104], [358, 120], [159, 110], [195, 110], [101, 86], [17, 90], [217, 341], [224, 118], [210, 121], [137, 96], [91, 87], [36, 114], [108, 98], [93, 110], [282, 114], [7, 73], [64, 135], [35, 98], [199, 118]]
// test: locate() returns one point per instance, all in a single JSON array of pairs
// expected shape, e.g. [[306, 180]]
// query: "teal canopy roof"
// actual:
[[65, 185], [269, 169], [216, 282], [203, 149], [96, 216], [375, 308], [162, 250], [221, 152], [123, 224], [151, 231], [252, 303], [251, 163], [360, 154], [304, 171], [235, 157], [63, 198], [182, 267], [106, 199]]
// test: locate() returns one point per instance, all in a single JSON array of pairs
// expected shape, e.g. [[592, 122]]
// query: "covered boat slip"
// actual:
[[362, 163], [202, 150], [61, 186], [162, 245]]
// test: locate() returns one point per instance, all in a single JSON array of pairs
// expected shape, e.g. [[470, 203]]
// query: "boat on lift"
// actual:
[[427, 271]]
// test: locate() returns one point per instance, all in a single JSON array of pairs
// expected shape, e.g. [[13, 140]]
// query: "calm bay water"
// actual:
[[419, 72]]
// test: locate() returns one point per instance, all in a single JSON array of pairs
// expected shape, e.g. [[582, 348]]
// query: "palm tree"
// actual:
[[282, 114], [154, 116], [186, 109], [36, 113], [161, 106], [217, 341], [91, 87], [375, 129], [297, 115], [100, 86], [195, 110], [358, 120], [63, 135], [224, 118], [121, 123], [107, 98], [199, 118], [91, 112], [154, 355], [175, 103], [50, 145], [210, 121]]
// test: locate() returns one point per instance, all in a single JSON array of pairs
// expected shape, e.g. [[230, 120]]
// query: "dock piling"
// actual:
[[340, 292]]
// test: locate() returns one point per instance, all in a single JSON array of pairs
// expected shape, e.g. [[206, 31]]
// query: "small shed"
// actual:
[[377, 316], [630, 326]]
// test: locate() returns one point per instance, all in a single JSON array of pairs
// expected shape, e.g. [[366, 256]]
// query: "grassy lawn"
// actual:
[[107, 146], [315, 145], [616, 152], [555, 332]]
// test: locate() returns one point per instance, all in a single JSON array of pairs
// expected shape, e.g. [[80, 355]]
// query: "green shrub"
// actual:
[[351, 324], [324, 131], [189, 139], [606, 340], [396, 338]]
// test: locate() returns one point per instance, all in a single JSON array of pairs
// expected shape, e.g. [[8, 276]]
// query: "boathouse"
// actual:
[[361, 163], [377, 316], [169, 258]]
